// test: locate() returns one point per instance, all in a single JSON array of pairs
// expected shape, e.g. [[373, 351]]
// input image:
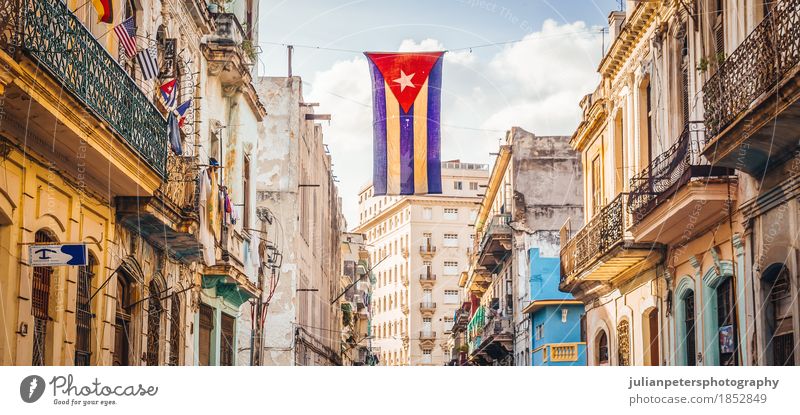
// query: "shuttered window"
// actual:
[[41, 303], [205, 336], [83, 313], [226, 352]]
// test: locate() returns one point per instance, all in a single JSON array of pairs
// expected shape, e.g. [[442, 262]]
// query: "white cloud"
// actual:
[[535, 84]]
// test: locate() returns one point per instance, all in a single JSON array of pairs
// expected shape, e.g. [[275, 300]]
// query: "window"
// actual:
[[451, 296], [602, 348], [539, 331], [83, 313], [427, 213], [226, 343], [564, 312], [174, 330], [451, 214], [473, 214], [205, 335], [726, 320], [689, 339], [778, 314], [40, 307], [426, 356], [448, 324], [450, 268], [451, 240], [597, 186], [122, 325], [457, 185], [427, 296], [154, 312], [473, 185]]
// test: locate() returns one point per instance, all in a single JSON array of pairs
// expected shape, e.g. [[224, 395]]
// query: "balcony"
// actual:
[[404, 308], [404, 280], [751, 102], [496, 242], [461, 317], [170, 219], [427, 307], [85, 97], [603, 251], [560, 354], [678, 184], [427, 249], [427, 280], [496, 340], [427, 335]]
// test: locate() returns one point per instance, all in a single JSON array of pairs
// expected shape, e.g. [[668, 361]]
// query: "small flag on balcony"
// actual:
[[105, 12], [181, 111], [169, 94], [148, 61], [126, 33], [174, 134], [406, 99]]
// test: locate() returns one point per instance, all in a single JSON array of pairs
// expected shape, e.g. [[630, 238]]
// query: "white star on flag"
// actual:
[[404, 80]]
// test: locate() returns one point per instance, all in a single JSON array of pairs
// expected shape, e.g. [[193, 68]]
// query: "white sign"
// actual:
[[57, 254]]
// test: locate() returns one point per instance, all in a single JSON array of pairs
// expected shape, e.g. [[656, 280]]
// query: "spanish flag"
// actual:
[[406, 96], [105, 10]]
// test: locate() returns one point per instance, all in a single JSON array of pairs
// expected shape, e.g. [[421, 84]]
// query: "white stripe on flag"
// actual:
[[148, 63]]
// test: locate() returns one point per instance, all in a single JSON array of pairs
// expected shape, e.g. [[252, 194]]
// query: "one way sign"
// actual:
[[55, 255]]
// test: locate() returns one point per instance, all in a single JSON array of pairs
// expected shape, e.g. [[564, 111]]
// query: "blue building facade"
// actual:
[[555, 316]]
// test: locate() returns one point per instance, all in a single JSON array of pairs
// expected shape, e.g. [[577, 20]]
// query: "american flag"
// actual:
[[148, 61], [126, 33]]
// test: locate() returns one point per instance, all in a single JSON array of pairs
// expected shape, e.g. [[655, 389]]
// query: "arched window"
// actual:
[[651, 337], [778, 315], [623, 343], [154, 313], [122, 322], [41, 302], [602, 348], [83, 313]]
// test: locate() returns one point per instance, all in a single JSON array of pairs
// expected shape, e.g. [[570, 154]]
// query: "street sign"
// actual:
[[57, 254]]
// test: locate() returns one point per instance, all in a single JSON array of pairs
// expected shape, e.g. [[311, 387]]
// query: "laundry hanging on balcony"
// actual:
[[406, 99]]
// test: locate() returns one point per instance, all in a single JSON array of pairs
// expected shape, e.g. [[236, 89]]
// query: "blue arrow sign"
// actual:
[[56, 255]]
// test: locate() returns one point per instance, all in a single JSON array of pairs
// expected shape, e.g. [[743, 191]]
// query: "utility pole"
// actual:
[[289, 51]]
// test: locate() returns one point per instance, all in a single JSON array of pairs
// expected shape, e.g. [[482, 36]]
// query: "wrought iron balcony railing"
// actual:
[[53, 37], [427, 335], [599, 236], [497, 225], [760, 61], [660, 178], [427, 277]]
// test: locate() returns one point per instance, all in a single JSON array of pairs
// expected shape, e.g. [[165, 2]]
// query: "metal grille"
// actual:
[[59, 42], [768, 52], [154, 312], [206, 329], [83, 314], [122, 323], [624, 343], [226, 352], [174, 330], [40, 303]]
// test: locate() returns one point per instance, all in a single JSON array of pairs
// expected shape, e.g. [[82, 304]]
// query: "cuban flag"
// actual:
[[406, 99], [169, 94]]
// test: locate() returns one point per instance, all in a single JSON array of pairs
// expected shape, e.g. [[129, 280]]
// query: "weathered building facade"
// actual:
[[88, 161], [686, 256], [519, 212], [355, 300], [296, 184]]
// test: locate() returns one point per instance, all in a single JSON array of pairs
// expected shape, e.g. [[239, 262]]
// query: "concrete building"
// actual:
[[150, 294], [520, 212], [296, 185], [418, 245]]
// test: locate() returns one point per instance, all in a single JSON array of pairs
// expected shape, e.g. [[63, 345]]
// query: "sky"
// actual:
[[490, 83]]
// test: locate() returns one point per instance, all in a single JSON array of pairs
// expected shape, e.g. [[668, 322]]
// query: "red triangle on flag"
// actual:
[[405, 73]]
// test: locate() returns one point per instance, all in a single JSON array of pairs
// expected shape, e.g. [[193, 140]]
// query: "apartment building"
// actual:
[[418, 247]]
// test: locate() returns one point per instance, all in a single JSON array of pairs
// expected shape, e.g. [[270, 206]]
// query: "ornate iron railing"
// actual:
[[768, 52], [181, 185], [498, 224], [665, 171], [594, 240], [48, 32]]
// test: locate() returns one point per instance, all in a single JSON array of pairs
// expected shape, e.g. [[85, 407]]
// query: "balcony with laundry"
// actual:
[[751, 101], [677, 184]]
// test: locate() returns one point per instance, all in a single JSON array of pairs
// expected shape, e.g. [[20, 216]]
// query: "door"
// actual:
[[652, 320], [726, 319]]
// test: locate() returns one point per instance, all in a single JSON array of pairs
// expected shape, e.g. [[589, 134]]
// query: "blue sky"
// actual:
[[535, 84]]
